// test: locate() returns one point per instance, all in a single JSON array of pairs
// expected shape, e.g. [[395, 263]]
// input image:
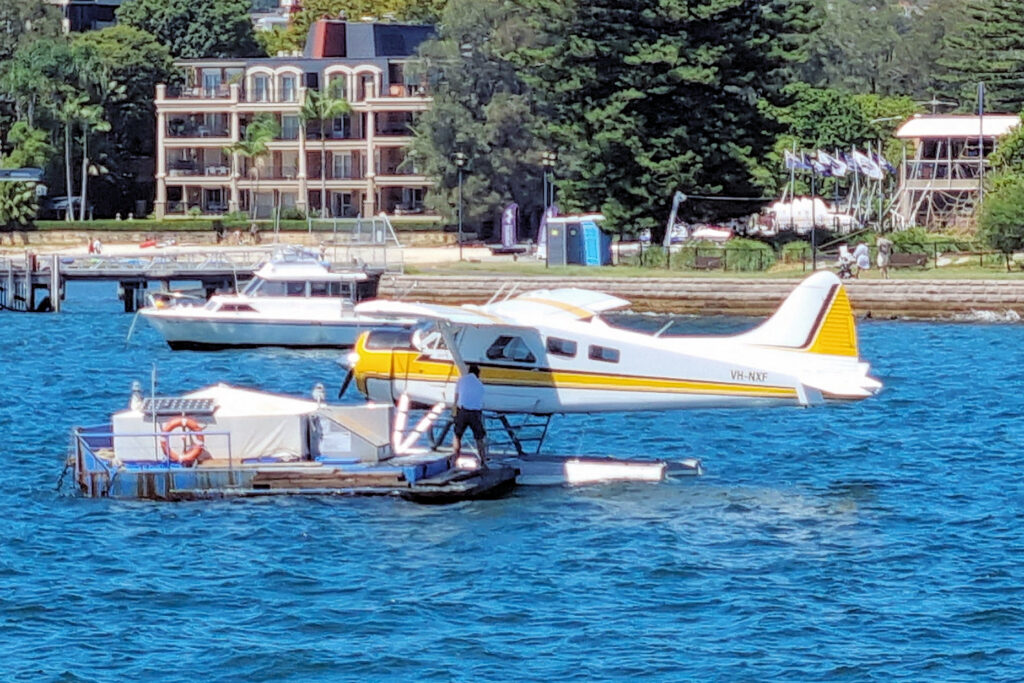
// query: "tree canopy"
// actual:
[[648, 98], [193, 30], [24, 21], [988, 47]]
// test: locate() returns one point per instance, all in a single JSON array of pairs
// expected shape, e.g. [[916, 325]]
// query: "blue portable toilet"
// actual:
[[578, 240]]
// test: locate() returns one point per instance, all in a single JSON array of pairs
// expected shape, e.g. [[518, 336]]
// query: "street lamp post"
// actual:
[[548, 159], [460, 161]]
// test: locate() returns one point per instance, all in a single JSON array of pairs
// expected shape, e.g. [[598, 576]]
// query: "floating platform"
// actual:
[[229, 442], [223, 442]]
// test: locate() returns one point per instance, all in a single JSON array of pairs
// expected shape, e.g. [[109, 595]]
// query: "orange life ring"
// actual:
[[192, 429]]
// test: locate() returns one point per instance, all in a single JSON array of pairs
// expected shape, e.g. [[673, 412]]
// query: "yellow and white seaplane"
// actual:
[[549, 351]]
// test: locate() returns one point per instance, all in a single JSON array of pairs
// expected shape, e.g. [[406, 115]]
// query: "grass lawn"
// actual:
[[780, 271]]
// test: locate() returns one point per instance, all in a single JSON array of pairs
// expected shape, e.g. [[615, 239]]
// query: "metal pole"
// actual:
[[981, 143], [814, 239], [460, 213]]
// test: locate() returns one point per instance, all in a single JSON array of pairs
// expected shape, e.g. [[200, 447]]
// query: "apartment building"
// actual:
[[367, 167], [87, 15]]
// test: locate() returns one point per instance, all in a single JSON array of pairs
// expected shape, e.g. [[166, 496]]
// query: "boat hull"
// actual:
[[210, 333]]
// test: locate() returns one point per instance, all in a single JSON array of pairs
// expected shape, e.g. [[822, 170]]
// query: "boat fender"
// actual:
[[193, 428]]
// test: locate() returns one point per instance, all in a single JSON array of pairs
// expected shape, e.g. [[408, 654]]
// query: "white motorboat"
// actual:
[[293, 302]]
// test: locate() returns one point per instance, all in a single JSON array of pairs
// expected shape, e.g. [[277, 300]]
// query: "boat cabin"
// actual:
[[312, 280]]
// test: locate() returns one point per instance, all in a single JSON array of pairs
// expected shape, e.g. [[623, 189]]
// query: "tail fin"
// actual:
[[816, 317]]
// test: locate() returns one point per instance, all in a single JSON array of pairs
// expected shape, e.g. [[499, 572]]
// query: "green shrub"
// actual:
[[797, 251], [293, 214], [747, 255]]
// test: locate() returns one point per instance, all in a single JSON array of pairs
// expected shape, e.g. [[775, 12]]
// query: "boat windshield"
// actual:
[[296, 288]]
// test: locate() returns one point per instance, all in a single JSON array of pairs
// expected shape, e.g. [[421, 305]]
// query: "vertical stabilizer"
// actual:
[[816, 317]]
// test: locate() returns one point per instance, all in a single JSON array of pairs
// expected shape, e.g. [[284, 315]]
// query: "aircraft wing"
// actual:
[[401, 309], [567, 302]]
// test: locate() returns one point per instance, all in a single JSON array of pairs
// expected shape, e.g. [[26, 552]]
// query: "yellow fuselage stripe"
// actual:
[[411, 366]]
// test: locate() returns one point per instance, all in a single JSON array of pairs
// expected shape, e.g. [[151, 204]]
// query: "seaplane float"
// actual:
[[550, 352]]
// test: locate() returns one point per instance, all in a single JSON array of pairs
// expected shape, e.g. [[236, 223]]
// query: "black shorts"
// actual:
[[474, 419]]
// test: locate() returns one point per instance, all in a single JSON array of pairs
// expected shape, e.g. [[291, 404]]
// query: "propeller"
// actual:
[[348, 380], [349, 361]]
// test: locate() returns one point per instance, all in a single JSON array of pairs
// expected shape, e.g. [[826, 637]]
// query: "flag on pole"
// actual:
[[882, 163], [794, 162], [836, 166], [866, 166], [509, 223]]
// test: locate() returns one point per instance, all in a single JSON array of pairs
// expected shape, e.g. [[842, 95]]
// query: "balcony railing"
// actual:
[[396, 169], [219, 92], [212, 169], [956, 169], [406, 90], [196, 131]]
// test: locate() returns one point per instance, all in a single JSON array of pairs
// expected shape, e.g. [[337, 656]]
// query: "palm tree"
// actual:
[[254, 147], [323, 107], [71, 108], [89, 117]]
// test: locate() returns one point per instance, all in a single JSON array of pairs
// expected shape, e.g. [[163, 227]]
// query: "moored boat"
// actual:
[[294, 301]]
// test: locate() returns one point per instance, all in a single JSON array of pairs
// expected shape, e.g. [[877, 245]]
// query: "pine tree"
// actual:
[[648, 98], [988, 48]]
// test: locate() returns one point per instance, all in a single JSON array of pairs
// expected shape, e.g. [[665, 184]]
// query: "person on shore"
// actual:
[[97, 246], [863, 258], [469, 404], [884, 247]]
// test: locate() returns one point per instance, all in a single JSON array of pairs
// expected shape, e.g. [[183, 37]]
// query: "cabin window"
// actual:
[[366, 289], [603, 353], [562, 347], [295, 288], [267, 288], [238, 308], [510, 348], [329, 289]]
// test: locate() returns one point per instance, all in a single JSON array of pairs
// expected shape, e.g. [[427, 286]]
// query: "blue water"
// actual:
[[881, 540]]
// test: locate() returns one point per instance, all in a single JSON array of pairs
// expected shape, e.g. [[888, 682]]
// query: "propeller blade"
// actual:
[[344, 385]]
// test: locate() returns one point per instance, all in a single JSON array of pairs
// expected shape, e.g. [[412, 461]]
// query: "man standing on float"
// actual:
[[469, 404]]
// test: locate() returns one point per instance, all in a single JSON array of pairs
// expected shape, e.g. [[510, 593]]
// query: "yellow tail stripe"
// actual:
[[836, 334]]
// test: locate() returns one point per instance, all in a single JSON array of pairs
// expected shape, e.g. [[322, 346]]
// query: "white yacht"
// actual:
[[294, 303]]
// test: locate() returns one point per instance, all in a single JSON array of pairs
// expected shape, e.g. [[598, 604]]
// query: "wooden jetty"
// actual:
[[36, 283]]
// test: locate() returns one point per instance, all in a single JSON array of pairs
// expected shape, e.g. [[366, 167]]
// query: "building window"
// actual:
[[603, 353], [211, 83], [562, 347], [289, 127], [343, 165], [510, 348], [260, 89], [288, 90]]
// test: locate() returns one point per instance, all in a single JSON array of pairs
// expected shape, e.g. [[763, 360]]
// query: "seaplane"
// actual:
[[549, 352]]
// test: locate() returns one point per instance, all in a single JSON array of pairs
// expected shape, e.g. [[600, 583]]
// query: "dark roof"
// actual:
[[354, 40]]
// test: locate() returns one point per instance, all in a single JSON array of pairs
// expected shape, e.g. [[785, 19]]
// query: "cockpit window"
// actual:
[[295, 288], [510, 348]]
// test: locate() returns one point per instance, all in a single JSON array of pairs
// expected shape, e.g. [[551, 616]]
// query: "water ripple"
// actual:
[[875, 541]]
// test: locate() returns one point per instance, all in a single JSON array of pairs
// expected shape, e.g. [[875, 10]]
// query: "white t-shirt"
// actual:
[[469, 392], [862, 256]]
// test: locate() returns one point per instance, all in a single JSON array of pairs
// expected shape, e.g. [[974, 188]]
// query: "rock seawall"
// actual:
[[921, 299]]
